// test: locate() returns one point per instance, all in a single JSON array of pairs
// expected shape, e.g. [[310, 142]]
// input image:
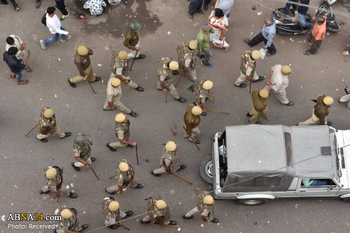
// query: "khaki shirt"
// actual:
[[113, 91], [260, 105], [131, 39], [321, 110], [279, 81], [82, 62]]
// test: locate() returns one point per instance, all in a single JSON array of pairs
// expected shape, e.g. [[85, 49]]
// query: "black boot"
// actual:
[[73, 195], [111, 148], [75, 167], [84, 226], [66, 135], [128, 213]]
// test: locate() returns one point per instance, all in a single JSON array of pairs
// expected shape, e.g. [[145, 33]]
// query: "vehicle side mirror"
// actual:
[[329, 188]]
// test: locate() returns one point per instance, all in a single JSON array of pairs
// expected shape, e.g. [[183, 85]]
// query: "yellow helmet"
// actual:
[[263, 93], [207, 85], [174, 65], [286, 70], [82, 50], [113, 206], [123, 55], [115, 82], [256, 54], [196, 110], [51, 173], [48, 113], [328, 100], [208, 200], [170, 146], [123, 166], [160, 204], [192, 44], [120, 117], [66, 213]]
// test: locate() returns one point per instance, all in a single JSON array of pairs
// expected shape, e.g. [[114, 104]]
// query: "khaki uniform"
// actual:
[[55, 184], [122, 132], [205, 210], [259, 107], [187, 58], [201, 94], [111, 217], [319, 113], [166, 74], [191, 122], [113, 95], [121, 68], [154, 215], [70, 224], [124, 179], [83, 152], [132, 41], [83, 64], [168, 159], [279, 82], [247, 68], [48, 126]]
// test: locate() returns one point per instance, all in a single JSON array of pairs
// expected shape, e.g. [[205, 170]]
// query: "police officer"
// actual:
[[203, 93], [121, 129], [48, 125], [320, 112], [114, 93], [70, 222], [54, 180], [248, 68], [259, 98], [205, 206], [192, 121], [169, 160], [132, 40], [125, 177], [82, 152], [112, 213], [165, 78], [158, 212], [186, 52], [120, 70]]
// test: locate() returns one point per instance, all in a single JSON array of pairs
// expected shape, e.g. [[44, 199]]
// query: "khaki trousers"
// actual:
[[131, 84], [57, 130], [313, 120], [63, 191], [192, 212], [79, 164], [281, 95], [172, 90], [119, 105], [194, 134], [89, 72], [114, 188], [255, 116], [147, 218], [191, 74], [112, 221], [242, 78], [117, 144], [160, 170], [133, 52]]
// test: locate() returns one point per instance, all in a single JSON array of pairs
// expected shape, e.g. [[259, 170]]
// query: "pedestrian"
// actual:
[[132, 41], [248, 69], [192, 121], [125, 177], [225, 6], [15, 41], [186, 52], [158, 212], [218, 21], [122, 132], [169, 160], [203, 93], [316, 35], [83, 63], [114, 93], [259, 98], [48, 125], [82, 152], [203, 44], [16, 66], [267, 35], [165, 78], [62, 7], [120, 70], [319, 112], [95, 6], [299, 12], [54, 183], [204, 205], [194, 7], [278, 82], [55, 27], [345, 98], [14, 4], [69, 222], [112, 213]]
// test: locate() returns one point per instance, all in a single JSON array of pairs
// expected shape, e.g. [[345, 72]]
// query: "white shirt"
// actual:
[[18, 42], [279, 81], [54, 25]]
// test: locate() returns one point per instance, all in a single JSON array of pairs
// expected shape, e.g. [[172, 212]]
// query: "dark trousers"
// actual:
[[259, 38], [195, 7], [315, 46], [14, 4], [62, 7], [206, 2]]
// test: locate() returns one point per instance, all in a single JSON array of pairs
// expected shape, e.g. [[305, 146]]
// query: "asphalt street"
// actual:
[[164, 25]]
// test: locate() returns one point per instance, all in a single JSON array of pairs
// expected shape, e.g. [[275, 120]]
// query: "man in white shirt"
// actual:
[[55, 27], [15, 41], [278, 83]]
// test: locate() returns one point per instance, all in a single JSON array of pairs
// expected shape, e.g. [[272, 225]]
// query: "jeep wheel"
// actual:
[[207, 170], [252, 201]]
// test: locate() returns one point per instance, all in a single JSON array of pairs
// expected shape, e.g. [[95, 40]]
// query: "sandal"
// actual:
[[37, 5], [307, 52], [190, 18], [201, 13], [22, 82], [28, 69], [12, 76], [345, 53]]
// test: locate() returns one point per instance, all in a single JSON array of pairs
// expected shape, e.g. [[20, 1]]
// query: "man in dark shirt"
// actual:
[[132, 41], [300, 12], [15, 65]]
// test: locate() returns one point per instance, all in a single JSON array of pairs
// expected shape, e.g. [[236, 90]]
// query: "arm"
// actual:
[[270, 39], [322, 118], [80, 69], [82, 161], [127, 142], [118, 74], [58, 30], [248, 75], [199, 46], [217, 2]]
